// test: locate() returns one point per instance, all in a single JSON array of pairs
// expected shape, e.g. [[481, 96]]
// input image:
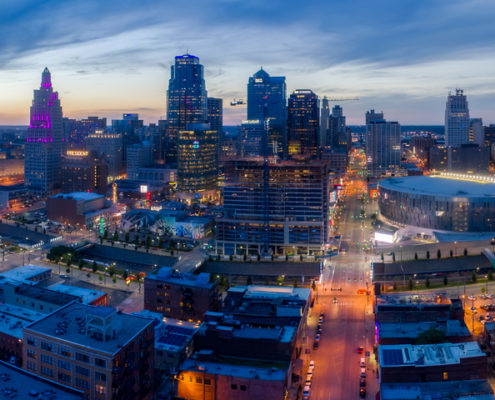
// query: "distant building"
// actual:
[[76, 131], [44, 142], [78, 208], [157, 174], [139, 155], [476, 131], [12, 195], [372, 116], [128, 127], [267, 100], [336, 132], [337, 159], [251, 138], [324, 121], [29, 273], [197, 160], [105, 353], [180, 296], [215, 119], [84, 295], [83, 171], [456, 119], [110, 146], [465, 158], [383, 145], [303, 123]]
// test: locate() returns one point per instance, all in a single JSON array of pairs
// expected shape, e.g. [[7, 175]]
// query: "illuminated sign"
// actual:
[[80, 153], [384, 237], [373, 193], [143, 188], [102, 225], [195, 144]]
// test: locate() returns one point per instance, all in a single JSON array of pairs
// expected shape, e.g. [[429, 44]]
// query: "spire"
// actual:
[[46, 80]]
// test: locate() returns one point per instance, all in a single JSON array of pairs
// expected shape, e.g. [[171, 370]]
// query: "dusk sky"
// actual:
[[114, 56]]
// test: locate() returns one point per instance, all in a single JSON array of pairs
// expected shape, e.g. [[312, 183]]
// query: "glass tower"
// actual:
[[44, 142], [456, 119], [304, 117]]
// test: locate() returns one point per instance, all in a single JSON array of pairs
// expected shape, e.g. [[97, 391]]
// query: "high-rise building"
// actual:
[[251, 138], [383, 146], [109, 145], [303, 123], [336, 132], [476, 131], [281, 213], [84, 171], [215, 119], [373, 116], [197, 165], [76, 131], [324, 121], [267, 99], [186, 99], [456, 119], [44, 141], [139, 155]]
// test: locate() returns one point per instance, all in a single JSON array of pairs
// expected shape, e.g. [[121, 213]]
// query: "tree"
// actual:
[[101, 239], [393, 256], [148, 241], [114, 280], [465, 252], [451, 253], [171, 244], [81, 264], [411, 284], [427, 283], [483, 290], [431, 336], [111, 270], [249, 280], [490, 275], [88, 275], [416, 256], [127, 238], [445, 280], [100, 277], [105, 234], [160, 242], [474, 278], [428, 254], [125, 275], [94, 267], [439, 254], [313, 285]]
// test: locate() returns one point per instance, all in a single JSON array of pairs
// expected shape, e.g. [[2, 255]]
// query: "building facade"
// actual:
[[110, 146], [303, 123], [456, 119], [83, 171], [383, 146], [44, 143]]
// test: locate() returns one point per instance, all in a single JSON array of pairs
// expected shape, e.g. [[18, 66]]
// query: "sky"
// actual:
[[110, 57]]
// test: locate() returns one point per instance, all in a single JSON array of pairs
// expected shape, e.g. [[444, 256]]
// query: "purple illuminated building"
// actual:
[[44, 141]]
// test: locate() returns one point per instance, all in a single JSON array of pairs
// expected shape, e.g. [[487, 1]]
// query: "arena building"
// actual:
[[446, 202]]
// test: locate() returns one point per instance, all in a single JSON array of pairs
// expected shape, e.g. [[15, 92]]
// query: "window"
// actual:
[[82, 371], [199, 380], [31, 341], [31, 354], [82, 357], [31, 365], [100, 377], [100, 389], [100, 363], [46, 346], [445, 376], [64, 377], [64, 352], [81, 383], [46, 359], [233, 386], [207, 381], [64, 364], [46, 371], [243, 388]]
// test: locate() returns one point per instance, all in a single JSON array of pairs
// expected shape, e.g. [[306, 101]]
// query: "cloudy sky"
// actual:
[[114, 56]]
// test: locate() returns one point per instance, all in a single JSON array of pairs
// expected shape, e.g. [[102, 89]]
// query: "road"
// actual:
[[348, 323]]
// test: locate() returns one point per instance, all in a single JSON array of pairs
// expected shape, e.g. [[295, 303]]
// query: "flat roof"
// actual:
[[13, 319], [405, 299], [47, 295], [234, 369], [167, 274], [86, 295], [434, 185], [24, 385], [451, 327], [74, 315], [25, 272], [403, 355], [273, 292], [86, 196], [465, 390]]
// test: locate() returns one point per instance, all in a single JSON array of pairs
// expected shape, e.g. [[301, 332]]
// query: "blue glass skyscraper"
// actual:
[[270, 90]]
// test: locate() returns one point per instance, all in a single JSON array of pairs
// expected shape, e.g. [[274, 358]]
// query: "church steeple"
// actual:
[[46, 79]]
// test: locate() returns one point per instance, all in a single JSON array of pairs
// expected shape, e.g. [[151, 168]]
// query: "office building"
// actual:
[[186, 100], [83, 171], [476, 131], [30, 274], [280, 208], [180, 296], [251, 138], [304, 123], [12, 196], [215, 119], [198, 160], [464, 159], [337, 133], [44, 141], [267, 100], [324, 121], [106, 354], [139, 155], [383, 145], [456, 119], [372, 116], [76, 131], [128, 127], [110, 146]]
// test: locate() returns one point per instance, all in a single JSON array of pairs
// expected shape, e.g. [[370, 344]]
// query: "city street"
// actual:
[[349, 322]]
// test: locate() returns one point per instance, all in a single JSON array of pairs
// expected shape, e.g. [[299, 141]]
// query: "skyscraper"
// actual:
[[336, 128], [324, 120], [476, 131], [383, 149], [270, 91], [186, 99], [215, 119], [456, 119], [44, 142], [304, 117]]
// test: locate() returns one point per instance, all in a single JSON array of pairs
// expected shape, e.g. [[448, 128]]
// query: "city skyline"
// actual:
[[122, 64]]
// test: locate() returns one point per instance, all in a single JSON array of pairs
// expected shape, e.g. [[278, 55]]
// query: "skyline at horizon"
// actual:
[[406, 71]]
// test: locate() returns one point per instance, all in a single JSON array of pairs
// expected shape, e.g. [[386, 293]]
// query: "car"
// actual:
[[362, 362], [483, 297], [472, 298], [335, 300], [362, 374], [311, 364], [360, 350], [308, 382], [310, 372], [317, 337], [488, 317], [481, 318], [63, 276], [362, 382], [306, 391], [322, 315], [362, 393], [315, 344], [489, 296]]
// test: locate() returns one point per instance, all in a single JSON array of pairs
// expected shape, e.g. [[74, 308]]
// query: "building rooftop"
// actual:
[[87, 296], [25, 272], [400, 299], [451, 390], [71, 324], [272, 292], [45, 295], [435, 185], [234, 369], [13, 319], [85, 196], [167, 274], [18, 384], [427, 355], [392, 330]]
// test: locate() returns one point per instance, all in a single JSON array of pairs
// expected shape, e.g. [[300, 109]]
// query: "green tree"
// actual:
[[111, 270], [427, 282], [483, 290], [67, 270], [474, 278], [160, 242], [411, 284], [431, 336], [490, 275], [94, 267], [114, 280], [445, 280], [249, 280], [428, 254], [416, 256], [81, 264], [115, 236], [439, 254], [465, 252], [127, 237], [100, 277]]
